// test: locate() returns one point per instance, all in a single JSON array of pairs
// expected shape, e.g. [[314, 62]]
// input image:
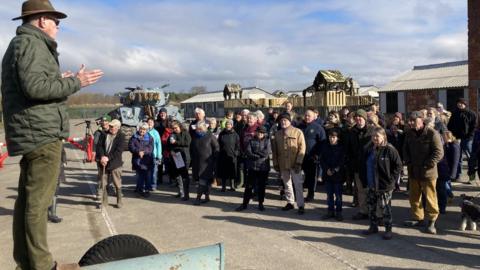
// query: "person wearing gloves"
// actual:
[[288, 149]]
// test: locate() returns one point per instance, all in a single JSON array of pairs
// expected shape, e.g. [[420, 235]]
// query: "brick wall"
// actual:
[[420, 99], [473, 51]]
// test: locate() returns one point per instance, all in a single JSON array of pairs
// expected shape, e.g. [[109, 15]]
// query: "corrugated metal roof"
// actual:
[[439, 76], [368, 90], [250, 92]]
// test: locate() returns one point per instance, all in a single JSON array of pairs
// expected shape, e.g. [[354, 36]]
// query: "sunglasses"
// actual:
[[55, 20]]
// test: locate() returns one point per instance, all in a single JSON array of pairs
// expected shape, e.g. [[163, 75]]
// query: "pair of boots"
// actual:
[[429, 226], [330, 214], [374, 229], [244, 206], [52, 212], [105, 197], [183, 188], [202, 190], [224, 185]]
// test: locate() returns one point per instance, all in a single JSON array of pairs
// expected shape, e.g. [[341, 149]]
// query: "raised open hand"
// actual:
[[88, 77]]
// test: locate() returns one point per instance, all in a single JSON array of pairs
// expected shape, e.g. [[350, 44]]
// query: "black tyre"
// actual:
[[117, 247]]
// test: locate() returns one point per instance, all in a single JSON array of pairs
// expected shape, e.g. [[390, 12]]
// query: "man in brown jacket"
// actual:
[[422, 150], [288, 149]]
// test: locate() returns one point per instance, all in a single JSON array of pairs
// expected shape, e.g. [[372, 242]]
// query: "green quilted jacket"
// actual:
[[34, 92]]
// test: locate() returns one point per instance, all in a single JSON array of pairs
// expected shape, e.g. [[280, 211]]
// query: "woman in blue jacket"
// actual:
[[141, 147], [382, 169]]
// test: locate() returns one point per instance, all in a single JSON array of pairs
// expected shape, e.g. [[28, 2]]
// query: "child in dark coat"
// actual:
[[332, 162]]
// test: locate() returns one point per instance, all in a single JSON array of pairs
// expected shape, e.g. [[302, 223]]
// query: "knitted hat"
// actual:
[[229, 121], [286, 116], [362, 113], [163, 110], [399, 115]]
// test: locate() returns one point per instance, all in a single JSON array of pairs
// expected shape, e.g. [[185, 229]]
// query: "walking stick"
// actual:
[[104, 188]]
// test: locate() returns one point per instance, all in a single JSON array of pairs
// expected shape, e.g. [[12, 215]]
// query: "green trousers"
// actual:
[[36, 187]]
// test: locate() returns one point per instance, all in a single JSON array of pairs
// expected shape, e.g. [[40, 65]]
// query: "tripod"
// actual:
[[86, 144]]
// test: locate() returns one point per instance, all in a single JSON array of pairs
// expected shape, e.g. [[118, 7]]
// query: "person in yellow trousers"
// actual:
[[422, 150]]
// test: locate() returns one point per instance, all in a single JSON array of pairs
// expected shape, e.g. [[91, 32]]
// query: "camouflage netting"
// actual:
[[142, 96]]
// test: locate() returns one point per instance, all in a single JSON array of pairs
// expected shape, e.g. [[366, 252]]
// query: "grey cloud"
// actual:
[[254, 43]]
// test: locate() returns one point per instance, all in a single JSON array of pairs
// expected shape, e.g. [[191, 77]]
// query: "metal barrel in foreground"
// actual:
[[202, 258]]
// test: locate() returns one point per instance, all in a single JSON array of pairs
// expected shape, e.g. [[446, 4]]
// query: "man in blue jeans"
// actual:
[[462, 125]]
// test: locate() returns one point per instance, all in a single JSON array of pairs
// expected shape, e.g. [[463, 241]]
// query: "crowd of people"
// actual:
[[359, 153]]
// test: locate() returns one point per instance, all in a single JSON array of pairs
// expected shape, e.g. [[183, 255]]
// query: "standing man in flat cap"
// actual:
[[288, 151], [422, 150], [34, 94]]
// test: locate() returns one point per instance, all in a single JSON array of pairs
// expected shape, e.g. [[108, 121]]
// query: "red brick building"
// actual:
[[474, 52]]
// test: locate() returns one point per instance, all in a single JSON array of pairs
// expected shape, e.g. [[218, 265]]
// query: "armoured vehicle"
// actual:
[[139, 103]]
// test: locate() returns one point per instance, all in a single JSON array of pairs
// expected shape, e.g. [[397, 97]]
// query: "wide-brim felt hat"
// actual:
[[34, 7]]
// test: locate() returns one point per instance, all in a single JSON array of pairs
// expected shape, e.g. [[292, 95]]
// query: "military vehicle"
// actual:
[[138, 104]]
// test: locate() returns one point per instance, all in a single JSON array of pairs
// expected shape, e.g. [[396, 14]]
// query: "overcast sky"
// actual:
[[271, 44]]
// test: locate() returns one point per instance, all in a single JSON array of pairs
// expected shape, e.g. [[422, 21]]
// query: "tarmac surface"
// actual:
[[253, 240]]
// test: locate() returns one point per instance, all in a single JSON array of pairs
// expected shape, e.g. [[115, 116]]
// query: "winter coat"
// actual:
[[462, 124], [356, 139], [447, 166], [204, 152], [115, 160], [257, 155], [157, 143], [239, 127], [421, 152], [138, 144], [96, 136], [396, 141], [388, 166], [34, 94], [229, 143], [215, 132], [288, 149], [182, 145], [332, 157], [314, 138], [247, 134]]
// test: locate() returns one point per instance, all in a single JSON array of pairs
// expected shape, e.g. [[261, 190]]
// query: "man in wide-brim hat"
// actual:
[[35, 7], [34, 108]]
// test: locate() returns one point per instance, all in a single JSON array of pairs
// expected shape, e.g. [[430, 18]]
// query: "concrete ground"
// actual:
[[253, 240]]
